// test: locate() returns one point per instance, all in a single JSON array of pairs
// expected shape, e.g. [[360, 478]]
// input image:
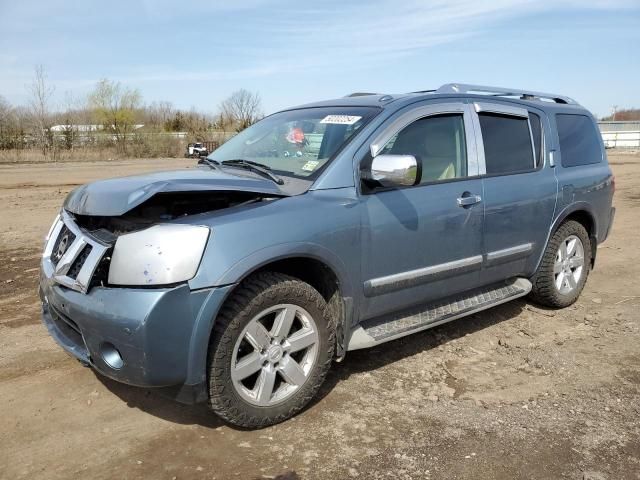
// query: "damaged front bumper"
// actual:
[[138, 336]]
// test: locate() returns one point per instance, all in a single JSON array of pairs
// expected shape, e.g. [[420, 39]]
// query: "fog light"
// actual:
[[111, 356]]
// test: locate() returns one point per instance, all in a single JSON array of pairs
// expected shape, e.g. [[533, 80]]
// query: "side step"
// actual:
[[383, 329]]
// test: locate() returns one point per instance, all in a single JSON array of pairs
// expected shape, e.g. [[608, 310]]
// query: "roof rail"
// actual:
[[360, 94], [504, 92]]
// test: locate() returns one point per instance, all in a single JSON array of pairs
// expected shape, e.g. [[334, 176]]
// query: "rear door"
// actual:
[[519, 184], [423, 242]]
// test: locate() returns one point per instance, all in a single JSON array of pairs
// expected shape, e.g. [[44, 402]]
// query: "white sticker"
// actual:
[[341, 119], [310, 165]]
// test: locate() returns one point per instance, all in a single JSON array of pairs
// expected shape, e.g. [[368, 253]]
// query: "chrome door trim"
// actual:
[[489, 107], [417, 113], [412, 278], [509, 254], [479, 142]]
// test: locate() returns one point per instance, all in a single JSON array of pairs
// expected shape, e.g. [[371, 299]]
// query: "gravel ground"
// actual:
[[514, 392]]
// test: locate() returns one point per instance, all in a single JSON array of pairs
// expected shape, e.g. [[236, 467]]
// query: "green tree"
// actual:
[[116, 108]]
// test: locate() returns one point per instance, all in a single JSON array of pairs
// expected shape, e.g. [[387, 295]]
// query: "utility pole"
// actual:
[[614, 109]]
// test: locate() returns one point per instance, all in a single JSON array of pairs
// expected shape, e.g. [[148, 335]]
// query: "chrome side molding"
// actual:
[[412, 278], [509, 254]]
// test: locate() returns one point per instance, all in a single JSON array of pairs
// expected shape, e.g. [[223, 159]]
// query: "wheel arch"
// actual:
[[583, 213], [311, 263]]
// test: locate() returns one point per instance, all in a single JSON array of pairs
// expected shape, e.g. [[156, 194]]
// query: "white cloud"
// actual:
[[266, 37], [280, 37]]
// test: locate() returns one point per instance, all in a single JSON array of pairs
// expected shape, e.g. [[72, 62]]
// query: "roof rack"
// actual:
[[360, 94], [504, 92]]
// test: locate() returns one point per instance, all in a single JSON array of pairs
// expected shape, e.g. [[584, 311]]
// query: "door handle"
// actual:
[[466, 200]]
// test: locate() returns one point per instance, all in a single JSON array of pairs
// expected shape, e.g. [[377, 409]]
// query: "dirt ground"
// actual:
[[513, 392]]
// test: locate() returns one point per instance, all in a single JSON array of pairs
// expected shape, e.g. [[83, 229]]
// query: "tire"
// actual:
[[545, 282], [238, 340]]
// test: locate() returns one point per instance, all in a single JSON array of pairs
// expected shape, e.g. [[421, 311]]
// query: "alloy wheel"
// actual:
[[569, 265], [274, 355]]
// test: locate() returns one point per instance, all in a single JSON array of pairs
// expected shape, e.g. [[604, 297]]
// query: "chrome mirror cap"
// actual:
[[395, 170]]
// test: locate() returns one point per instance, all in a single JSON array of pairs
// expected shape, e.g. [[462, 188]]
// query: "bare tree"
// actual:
[[158, 115], [6, 123], [115, 108], [40, 109], [70, 119], [5, 112], [241, 109]]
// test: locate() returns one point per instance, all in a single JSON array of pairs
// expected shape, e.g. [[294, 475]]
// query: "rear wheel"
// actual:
[[271, 350], [565, 267]]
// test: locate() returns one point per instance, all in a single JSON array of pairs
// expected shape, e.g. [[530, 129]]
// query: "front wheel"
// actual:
[[272, 347], [564, 268]]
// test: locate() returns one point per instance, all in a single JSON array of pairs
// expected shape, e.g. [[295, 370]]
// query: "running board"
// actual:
[[383, 329]]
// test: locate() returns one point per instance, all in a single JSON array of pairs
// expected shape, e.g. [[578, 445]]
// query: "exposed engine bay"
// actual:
[[164, 207]]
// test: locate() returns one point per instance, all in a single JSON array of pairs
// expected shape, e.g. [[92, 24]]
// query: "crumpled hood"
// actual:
[[116, 196]]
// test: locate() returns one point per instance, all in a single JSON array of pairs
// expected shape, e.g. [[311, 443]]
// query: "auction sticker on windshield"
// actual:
[[310, 165], [341, 119]]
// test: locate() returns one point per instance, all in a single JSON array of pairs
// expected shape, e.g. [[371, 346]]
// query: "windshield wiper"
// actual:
[[207, 161], [254, 167]]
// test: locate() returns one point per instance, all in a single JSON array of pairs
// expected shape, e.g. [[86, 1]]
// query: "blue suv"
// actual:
[[325, 228]]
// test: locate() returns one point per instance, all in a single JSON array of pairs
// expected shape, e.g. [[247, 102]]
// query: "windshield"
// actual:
[[297, 142]]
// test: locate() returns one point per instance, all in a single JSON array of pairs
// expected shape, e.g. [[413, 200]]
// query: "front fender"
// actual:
[[242, 269], [258, 259]]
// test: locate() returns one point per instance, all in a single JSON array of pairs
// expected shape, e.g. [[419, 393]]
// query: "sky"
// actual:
[[195, 53]]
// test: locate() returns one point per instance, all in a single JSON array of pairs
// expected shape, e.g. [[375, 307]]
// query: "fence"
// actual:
[[624, 134]]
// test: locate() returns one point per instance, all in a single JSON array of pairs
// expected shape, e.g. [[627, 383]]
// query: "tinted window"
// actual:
[[438, 142], [579, 143], [536, 133], [507, 143]]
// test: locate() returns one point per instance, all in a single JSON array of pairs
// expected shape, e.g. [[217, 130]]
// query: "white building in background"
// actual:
[[620, 134]]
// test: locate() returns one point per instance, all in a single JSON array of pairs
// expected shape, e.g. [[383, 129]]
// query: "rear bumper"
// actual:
[[161, 336], [610, 225]]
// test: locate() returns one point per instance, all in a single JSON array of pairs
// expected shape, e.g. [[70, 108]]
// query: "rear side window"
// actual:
[[579, 143], [507, 143]]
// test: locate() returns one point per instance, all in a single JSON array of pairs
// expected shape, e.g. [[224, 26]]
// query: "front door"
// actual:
[[424, 242]]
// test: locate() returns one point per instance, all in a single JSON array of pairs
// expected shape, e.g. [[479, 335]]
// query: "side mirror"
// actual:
[[395, 170]]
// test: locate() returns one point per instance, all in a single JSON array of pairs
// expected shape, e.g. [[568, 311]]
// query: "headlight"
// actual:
[[51, 229], [160, 255]]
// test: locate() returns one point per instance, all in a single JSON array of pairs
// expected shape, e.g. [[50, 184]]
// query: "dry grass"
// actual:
[[141, 147]]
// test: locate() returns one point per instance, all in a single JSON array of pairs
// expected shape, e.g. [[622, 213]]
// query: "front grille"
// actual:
[[79, 262], [63, 242], [101, 273], [73, 255]]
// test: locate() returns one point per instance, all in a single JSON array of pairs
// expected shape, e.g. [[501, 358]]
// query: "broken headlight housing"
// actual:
[[164, 254]]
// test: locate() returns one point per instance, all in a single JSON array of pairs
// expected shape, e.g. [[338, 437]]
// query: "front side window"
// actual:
[[437, 142], [298, 142], [507, 143], [579, 144]]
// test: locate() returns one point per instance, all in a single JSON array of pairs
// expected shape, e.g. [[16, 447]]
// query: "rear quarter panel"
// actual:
[[584, 187]]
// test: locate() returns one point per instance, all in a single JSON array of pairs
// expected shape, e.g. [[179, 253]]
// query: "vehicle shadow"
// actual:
[[155, 403], [377, 357]]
